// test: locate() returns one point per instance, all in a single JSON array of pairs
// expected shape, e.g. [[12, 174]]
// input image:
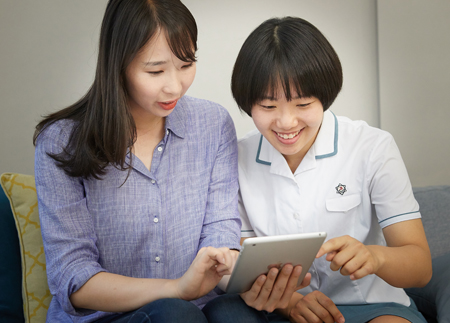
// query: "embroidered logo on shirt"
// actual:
[[341, 189]]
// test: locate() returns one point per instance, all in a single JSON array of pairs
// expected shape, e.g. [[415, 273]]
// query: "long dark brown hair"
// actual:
[[104, 129]]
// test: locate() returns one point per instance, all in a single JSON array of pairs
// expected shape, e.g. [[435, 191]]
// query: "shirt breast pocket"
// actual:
[[343, 204], [342, 215]]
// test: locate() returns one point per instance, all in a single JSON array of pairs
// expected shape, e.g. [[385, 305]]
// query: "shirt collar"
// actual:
[[325, 145], [176, 121]]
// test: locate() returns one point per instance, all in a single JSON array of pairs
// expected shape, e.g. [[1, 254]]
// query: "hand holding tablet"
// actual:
[[260, 254]]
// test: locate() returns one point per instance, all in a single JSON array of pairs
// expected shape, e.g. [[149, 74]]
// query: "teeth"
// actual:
[[290, 136]]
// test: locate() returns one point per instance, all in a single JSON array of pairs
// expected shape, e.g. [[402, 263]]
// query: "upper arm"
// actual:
[[404, 233], [222, 223], [67, 231]]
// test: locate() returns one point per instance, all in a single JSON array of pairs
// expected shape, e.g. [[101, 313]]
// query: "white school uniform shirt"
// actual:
[[352, 181]]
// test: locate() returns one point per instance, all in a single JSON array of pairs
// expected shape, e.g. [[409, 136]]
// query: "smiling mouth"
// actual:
[[288, 136]]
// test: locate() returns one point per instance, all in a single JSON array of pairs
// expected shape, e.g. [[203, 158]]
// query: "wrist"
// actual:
[[379, 257], [172, 288], [286, 312]]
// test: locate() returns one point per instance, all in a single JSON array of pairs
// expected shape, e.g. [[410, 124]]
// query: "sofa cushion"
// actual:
[[11, 309], [433, 300], [434, 202], [21, 192]]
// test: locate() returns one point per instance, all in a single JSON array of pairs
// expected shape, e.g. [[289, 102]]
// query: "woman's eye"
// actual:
[[155, 72], [303, 105], [267, 106], [187, 65]]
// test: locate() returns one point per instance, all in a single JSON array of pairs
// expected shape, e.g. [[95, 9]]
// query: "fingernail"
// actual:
[[341, 319]]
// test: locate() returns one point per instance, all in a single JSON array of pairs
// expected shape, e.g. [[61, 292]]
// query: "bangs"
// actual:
[[278, 72], [180, 28], [182, 43]]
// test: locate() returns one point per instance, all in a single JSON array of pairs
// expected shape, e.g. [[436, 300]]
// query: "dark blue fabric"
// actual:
[[433, 300], [367, 312], [167, 310], [11, 308], [230, 308]]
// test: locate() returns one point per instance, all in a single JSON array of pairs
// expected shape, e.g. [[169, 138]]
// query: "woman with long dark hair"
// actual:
[[137, 183]]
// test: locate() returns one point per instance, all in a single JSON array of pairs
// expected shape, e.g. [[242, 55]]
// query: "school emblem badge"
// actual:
[[341, 189]]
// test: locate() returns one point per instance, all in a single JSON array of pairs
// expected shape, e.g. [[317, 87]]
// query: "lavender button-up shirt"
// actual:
[[151, 226]]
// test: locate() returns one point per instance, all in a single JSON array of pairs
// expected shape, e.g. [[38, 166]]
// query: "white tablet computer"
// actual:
[[261, 253]]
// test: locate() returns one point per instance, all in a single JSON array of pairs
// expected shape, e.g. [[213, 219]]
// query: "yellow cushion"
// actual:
[[21, 192]]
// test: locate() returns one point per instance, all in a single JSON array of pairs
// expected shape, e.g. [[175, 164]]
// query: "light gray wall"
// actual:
[[349, 25], [48, 55], [414, 52], [47, 61]]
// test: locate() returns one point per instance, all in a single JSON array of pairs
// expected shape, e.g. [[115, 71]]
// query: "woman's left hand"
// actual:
[[351, 257]]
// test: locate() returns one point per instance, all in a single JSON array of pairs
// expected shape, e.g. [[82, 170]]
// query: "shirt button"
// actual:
[[155, 220], [157, 259], [296, 216], [159, 149], [167, 132], [153, 181]]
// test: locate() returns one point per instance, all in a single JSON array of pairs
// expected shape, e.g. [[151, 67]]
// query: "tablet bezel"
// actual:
[[258, 253]]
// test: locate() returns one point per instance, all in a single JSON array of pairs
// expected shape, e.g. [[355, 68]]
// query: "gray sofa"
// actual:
[[432, 300]]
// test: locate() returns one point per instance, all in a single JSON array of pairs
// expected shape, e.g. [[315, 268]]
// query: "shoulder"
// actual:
[[57, 133], [201, 109], [248, 147], [250, 140], [205, 119], [358, 134]]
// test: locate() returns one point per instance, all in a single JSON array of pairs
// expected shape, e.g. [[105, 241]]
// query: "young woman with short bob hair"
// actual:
[[137, 183], [306, 170]]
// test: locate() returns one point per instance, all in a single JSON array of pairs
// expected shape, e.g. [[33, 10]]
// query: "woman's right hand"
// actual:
[[274, 290], [205, 272], [315, 307]]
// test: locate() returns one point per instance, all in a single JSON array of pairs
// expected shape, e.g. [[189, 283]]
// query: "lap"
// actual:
[[230, 308], [368, 312], [170, 310], [222, 309], [381, 312]]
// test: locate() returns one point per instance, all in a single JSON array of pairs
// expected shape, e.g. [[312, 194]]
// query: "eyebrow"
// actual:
[[157, 63], [272, 98]]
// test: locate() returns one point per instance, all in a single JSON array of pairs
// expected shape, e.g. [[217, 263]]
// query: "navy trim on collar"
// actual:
[[335, 148], [259, 151], [336, 134]]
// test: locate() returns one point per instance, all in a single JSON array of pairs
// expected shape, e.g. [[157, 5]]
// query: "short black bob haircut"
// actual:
[[290, 52]]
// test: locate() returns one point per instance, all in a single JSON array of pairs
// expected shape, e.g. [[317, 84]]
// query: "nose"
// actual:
[[173, 84], [286, 119]]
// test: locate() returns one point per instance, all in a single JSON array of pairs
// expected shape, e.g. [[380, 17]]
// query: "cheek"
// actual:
[[261, 122], [188, 79], [146, 89], [314, 119]]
